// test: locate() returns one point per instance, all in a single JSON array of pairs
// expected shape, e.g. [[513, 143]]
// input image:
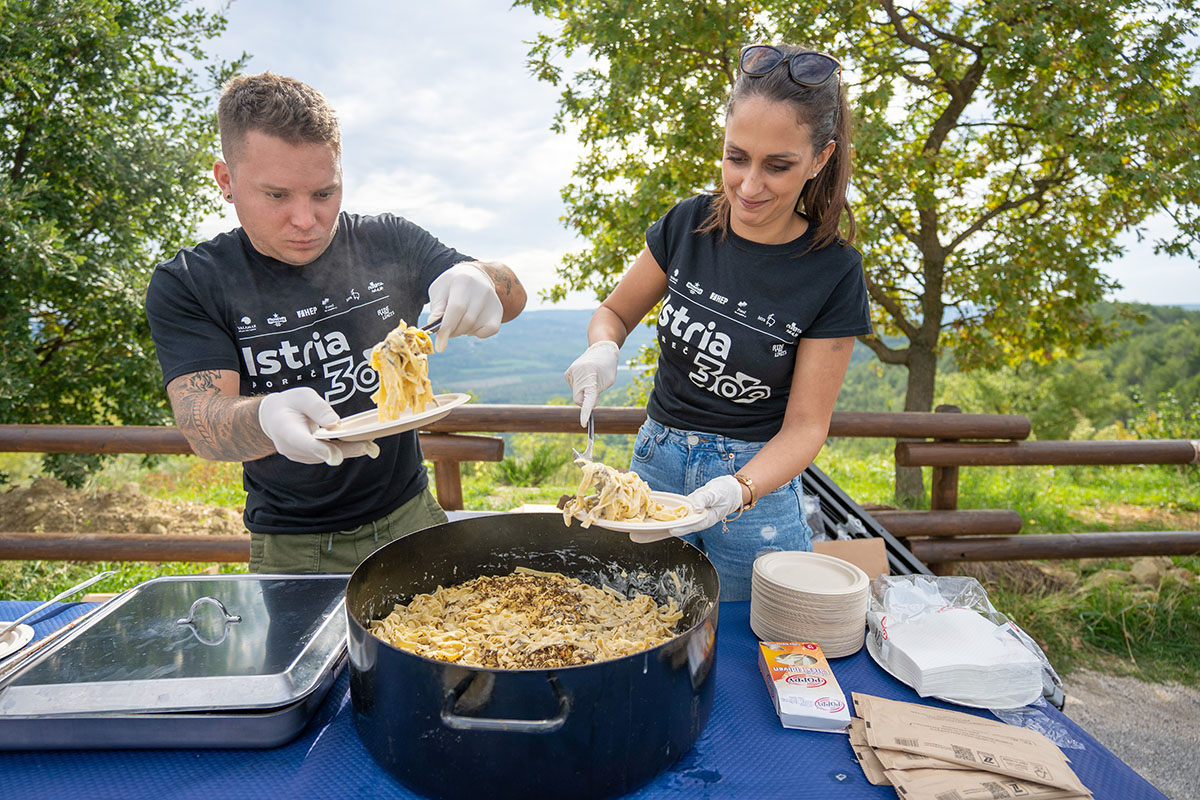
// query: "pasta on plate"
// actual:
[[527, 620], [620, 497], [402, 363]]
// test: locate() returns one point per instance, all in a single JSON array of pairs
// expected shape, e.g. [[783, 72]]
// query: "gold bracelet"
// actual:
[[749, 484]]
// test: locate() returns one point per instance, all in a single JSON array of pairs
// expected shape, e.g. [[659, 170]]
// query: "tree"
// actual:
[[1001, 147], [106, 139]]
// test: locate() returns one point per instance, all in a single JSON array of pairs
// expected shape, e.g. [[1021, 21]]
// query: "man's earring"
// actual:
[[229, 196]]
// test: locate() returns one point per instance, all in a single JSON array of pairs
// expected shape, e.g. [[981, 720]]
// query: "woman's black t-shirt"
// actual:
[[733, 315]]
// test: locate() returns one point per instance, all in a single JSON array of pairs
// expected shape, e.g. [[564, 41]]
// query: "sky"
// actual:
[[442, 123]]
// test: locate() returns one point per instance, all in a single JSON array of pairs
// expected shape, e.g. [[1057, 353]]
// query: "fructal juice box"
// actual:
[[802, 686]]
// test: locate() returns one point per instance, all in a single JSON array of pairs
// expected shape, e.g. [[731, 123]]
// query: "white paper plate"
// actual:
[[810, 573], [15, 639], [366, 425], [669, 499]]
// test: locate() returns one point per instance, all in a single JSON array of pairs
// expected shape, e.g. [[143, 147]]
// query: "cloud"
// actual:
[[537, 270], [422, 197]]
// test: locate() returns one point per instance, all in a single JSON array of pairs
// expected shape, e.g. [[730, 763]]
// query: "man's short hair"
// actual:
[[278, 106]]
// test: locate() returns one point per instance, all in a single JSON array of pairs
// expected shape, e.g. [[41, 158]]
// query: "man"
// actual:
[[264, 333]]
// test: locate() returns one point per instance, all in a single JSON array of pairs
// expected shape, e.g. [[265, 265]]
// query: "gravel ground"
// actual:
[[1152, 727]]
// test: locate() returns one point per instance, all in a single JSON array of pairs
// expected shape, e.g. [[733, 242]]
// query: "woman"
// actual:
[[762, 299]]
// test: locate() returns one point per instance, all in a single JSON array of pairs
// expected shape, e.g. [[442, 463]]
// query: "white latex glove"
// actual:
[[465, 299], [591, 374], [716, 500], [289, 418]]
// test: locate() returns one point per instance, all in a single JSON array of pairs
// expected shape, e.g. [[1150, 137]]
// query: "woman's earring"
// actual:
[[229, 196]]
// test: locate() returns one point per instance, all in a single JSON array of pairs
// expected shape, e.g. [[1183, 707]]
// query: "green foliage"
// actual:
[[1001, 147], [542, 460], [1165, 623], [196, 480], [106, 139], [41, 580]]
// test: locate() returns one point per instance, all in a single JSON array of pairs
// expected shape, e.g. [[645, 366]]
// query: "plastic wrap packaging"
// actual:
[[903, 597]]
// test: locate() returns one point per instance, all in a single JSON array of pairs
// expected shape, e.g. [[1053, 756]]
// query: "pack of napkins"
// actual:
[[952, 652]]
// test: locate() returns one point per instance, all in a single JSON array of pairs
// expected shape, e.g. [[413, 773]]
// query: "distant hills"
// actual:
[[525, 361]]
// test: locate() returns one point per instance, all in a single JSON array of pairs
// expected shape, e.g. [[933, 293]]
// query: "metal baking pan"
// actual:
[[184, 661]]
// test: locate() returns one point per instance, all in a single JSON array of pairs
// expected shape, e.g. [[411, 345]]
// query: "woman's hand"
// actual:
[[591, 374]]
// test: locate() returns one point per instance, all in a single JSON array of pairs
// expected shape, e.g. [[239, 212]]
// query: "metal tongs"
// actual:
[[76, 588], [586, 455], [432, 325]]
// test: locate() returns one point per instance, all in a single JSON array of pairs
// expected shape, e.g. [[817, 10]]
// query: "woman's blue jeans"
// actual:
[[672, 460]]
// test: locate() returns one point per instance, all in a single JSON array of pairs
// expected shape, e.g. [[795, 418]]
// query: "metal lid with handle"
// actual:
[[190, 643]]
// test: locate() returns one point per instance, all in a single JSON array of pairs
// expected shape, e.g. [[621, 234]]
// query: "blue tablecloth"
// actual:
[[744, 752]]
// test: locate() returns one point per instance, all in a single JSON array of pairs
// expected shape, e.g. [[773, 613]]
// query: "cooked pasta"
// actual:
[[527, 620], [620, 497], [403, 369]]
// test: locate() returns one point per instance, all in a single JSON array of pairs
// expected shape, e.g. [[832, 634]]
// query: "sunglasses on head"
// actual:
[[806, 69]]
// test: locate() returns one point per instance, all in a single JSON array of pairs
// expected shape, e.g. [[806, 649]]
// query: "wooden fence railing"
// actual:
[[939, 536]]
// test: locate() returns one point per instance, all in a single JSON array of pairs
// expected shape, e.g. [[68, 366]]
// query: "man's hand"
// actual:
[[289, 419], [465, 299], [591, 374]]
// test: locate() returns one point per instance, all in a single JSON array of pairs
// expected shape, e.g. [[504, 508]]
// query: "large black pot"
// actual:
[[596, 730]]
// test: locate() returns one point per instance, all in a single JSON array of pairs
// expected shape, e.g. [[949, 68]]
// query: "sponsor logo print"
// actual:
[[301, 313], [811, 681], [712, 349], [354, 295], [246, 325], [694, 287], [375, 287], [277, 319], [830, 704], [716, 298], [386, 312], [741, 308]]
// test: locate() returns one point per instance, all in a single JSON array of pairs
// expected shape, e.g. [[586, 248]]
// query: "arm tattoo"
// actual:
[[218, 426], [501, 275], [508, 287]]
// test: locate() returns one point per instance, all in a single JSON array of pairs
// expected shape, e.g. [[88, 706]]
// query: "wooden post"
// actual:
[[943, 488]]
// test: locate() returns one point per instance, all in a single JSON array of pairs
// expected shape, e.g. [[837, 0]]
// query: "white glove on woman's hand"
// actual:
[[716, 500], [591, 374], [465, 299], [289, 418]]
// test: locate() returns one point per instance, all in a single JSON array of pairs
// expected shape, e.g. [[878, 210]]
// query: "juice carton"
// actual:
[[802, 686]]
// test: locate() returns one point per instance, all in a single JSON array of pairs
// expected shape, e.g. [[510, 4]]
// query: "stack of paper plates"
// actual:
[[809, 597]]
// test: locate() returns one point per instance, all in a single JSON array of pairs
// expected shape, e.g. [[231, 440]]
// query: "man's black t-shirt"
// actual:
[[222, 305], [733, 315]]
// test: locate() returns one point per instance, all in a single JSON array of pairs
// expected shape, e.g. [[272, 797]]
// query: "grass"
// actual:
[[1087, 613]]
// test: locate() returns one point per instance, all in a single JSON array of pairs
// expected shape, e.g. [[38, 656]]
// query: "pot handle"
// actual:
[[464, 723]]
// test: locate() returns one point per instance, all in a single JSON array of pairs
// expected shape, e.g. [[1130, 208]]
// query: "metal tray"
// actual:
[[184, 661]]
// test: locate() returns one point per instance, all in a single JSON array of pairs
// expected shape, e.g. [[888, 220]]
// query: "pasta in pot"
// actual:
[[527, 620], [403, 367], [620, 497]]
